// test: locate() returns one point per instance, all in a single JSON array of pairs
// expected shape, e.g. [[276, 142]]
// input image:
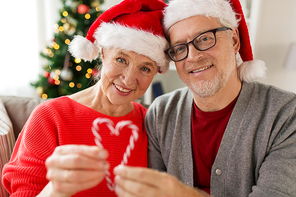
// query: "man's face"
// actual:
[[206, 72]]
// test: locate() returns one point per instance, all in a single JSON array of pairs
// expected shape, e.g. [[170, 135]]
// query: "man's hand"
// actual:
[[136, 181]]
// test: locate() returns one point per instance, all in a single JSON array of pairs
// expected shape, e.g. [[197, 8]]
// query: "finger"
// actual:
[[75, 176], [144, 175], [75, 161], [70, 188], [127, 187], [120, 192], [88, 151]]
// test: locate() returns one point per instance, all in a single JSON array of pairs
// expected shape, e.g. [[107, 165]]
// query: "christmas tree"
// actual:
[[64, 74]]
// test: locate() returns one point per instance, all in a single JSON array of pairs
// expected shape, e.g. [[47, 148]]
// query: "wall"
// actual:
[[276, 30]]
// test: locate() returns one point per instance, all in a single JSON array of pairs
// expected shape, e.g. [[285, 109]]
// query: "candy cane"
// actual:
[[115, 131]]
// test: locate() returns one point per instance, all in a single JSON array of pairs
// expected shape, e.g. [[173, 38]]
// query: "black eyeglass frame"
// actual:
[[186, 44]]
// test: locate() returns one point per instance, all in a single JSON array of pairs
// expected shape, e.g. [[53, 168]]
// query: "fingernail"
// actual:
[[116, 179], [118, 169], [103, 154], [117, 189]]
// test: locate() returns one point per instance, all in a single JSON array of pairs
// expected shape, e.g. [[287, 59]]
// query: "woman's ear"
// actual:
[[102, 53], [236, 40]]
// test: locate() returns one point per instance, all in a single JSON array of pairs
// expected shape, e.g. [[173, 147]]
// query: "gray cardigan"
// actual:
[[257, 155]]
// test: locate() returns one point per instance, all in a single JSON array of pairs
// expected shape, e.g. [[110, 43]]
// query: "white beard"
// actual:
[[205, 89]]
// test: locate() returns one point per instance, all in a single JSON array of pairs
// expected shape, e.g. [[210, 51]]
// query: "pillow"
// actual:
[[7, 141]]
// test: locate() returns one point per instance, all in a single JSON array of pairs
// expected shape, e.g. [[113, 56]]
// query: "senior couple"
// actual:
[[222, 135]]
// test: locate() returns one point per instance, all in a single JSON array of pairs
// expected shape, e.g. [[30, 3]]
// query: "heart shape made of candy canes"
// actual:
[[116, 131]]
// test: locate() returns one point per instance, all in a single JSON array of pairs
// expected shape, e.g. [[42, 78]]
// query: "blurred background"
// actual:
[[30, 28]]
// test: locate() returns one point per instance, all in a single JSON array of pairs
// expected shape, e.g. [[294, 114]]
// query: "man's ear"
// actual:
[[236, 40]]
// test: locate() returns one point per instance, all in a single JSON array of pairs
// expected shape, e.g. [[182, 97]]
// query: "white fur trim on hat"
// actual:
[[252, 70], [82, 48], [139, 41], [178, 10]]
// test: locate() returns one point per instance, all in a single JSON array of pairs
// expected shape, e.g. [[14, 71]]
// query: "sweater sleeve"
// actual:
[[25, 174]]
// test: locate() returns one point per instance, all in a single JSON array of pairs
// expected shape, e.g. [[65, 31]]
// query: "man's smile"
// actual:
[[201, 69]]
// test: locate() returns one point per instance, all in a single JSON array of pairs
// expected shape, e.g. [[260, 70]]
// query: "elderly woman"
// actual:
[[56, 154]]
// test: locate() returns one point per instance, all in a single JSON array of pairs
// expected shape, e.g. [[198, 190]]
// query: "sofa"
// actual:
[[14, 112], [19, 110]]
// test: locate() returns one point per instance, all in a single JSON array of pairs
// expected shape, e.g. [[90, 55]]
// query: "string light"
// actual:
[[77, 60], [88, 75], [87, 16], [67, 41], [56, 46], [63, 20], [79, 85], [73, 30], [71, 84], [78, 68], [61, 28], [57, 82], [89, 70], [44, 96], [57, 72], [65, 13]]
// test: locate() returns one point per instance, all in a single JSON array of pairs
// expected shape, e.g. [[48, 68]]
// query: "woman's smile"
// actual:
[[121, 89]]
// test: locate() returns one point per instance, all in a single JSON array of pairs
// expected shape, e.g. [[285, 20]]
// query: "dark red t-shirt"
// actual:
[[207, 132]]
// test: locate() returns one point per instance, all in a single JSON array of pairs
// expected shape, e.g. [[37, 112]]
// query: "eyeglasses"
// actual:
[[201, 42]]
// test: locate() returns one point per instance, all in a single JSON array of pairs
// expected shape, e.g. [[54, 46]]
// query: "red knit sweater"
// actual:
[[63, 121]]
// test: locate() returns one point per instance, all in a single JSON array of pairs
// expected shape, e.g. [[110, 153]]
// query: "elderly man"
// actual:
[[224, 134]]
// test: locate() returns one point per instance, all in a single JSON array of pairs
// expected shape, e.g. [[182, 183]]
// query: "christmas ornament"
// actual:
[[66, 26], [66, 75], [82, 9], [39, 91], [46, 74], [94, 72], [115, 131], [51, 81]]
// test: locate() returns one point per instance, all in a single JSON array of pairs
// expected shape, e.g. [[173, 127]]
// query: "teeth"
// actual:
[[121, 89], [202, 69]]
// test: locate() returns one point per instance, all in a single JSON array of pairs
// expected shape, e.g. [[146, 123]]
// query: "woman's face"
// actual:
[[125, 75]]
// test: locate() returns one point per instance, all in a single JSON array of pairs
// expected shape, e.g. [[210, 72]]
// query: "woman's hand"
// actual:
[[74, 168]]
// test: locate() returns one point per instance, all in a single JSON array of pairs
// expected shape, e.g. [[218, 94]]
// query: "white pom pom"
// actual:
[[252, 70], [82, 48]]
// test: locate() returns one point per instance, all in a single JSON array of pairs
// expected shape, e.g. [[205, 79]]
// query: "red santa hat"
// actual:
[[230, 14], [133, 25]]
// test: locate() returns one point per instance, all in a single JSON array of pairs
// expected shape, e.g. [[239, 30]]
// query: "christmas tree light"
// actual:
[[64, 74]]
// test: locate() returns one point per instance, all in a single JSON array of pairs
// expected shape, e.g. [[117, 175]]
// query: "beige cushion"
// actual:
[[7, 141], [19, 110]]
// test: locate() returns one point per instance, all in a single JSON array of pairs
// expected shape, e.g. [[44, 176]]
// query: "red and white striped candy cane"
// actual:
[[115, 131]]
